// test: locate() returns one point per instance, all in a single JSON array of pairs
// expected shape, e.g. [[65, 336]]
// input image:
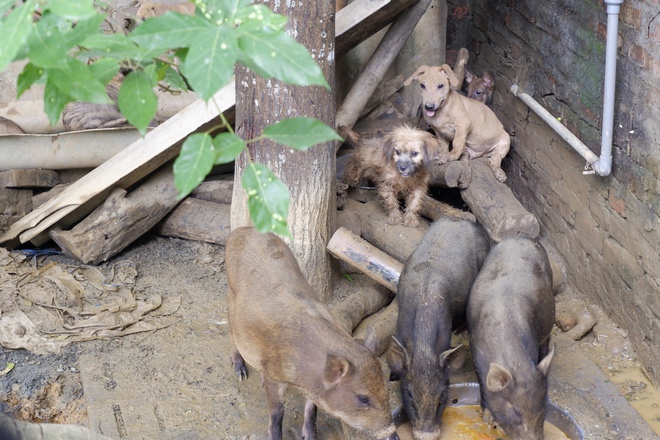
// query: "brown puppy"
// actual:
[[472, 127], [480, 88], [396, 164]]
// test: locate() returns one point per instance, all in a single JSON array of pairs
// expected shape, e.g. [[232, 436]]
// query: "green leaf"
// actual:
[[229, 8], [47, 44], [77, 80], [73, 9], [113, 45], [83, 29], [300, 133], [14, 30], [5, 5], [54, 102], [282, 57], [137, 100], [209, 64], [194, 163], [227, 147], [174, 80], [169, 31], [268, 199], [258, 17], [27, 77], [104, 69]]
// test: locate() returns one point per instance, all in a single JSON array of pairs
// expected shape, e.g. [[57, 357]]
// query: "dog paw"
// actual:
[[411, 221], [500, 175], [394, 218]]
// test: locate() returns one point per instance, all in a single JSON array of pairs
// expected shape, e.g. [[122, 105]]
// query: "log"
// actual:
[[366, 298], [356, 251], [454, 174], [360, 19], [120, 220], [200, 220], [28, 178], [371, 128], [125, 168], [375, 69], [495, 205], [383, 91], [384, 323], [434, 209], [218, 191], [397, 241]]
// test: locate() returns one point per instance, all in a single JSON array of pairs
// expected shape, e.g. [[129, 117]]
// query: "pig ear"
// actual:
[[414, 76], [336, 369], [371, 339], [498, 378], [453, 358], [397, 357], [544, 365]]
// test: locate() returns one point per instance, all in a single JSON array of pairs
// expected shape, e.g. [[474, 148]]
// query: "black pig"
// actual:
[[432, 295], [510, 315]]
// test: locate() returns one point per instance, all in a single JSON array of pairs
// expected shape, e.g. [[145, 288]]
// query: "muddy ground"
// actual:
[[177, 382]]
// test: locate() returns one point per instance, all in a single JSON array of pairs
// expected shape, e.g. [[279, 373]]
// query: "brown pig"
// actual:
[[278, 326]]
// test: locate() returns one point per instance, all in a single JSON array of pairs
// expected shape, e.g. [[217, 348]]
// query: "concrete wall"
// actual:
[[606, 228]]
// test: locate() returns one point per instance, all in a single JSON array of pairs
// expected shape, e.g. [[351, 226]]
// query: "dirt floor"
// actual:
[[177, 382]]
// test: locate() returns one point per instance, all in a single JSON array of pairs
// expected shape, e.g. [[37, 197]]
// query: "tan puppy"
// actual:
[[480, 88], [472, 127], [396, 164]]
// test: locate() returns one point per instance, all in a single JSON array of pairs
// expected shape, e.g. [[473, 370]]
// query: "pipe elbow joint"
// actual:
[[603, 166]]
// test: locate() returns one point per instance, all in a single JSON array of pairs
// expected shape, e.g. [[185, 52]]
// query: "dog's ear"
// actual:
[[388, 146], [488, 80], [450, 75], [414, 76], [469, 76], [435, 150]]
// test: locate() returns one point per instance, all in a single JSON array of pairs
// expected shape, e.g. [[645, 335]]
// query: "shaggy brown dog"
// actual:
[[396, 164]]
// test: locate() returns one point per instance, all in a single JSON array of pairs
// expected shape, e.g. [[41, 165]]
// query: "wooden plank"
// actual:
[[360, 19], [125, 168]]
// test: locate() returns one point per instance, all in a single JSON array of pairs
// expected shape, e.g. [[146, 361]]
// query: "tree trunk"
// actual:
[[310, 175]]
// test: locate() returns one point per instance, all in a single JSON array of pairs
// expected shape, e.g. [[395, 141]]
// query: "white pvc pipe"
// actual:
[[603, 164]]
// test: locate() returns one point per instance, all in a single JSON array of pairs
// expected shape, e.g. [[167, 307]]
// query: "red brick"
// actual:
[[654, 30], [631, 16], [640, 54], [619, 205]]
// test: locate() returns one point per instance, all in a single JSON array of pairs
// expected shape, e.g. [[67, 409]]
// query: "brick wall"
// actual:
[[606, 228]]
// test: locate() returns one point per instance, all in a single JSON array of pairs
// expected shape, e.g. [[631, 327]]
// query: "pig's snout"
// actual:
[[388, 433], [426, 435]]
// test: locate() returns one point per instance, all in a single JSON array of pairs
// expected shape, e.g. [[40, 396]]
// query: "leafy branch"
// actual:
[[70, 54]]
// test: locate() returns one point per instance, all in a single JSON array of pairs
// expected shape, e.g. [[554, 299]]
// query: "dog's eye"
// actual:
[[397, 152], [414, 153], [478, 92], [440, 86], [423, 86]]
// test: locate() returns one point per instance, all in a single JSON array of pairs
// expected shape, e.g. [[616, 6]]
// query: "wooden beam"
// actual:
[[360, 19], [125, 168]]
